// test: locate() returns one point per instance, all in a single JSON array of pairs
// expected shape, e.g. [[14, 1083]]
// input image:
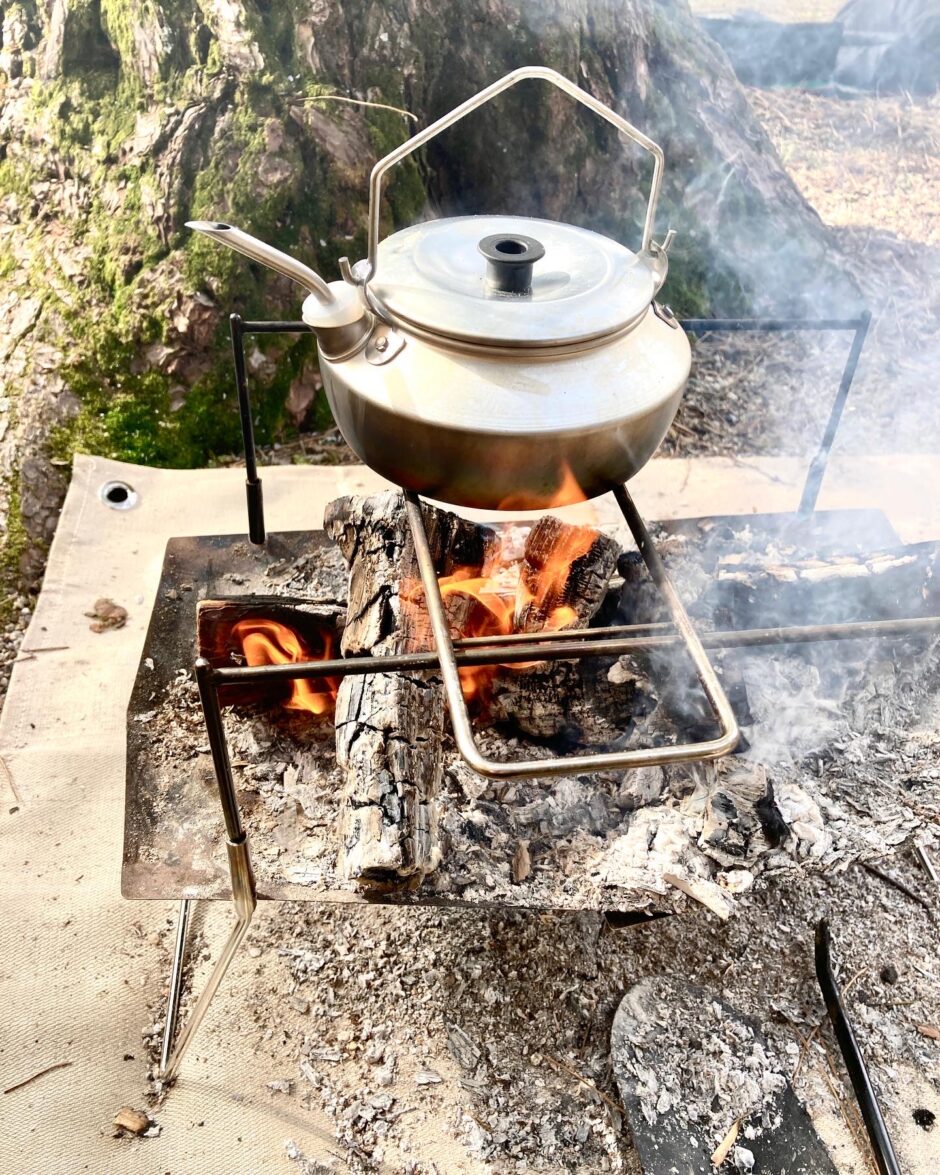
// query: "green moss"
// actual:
[[405, 194], [17, 178], [16, 542]]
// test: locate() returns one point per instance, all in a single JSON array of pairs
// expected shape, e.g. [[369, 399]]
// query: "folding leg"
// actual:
[[243, 896], [176, 982]]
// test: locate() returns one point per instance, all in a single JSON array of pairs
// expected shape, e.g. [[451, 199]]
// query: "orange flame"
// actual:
[[566, 493], [266, 642], [536, 604]]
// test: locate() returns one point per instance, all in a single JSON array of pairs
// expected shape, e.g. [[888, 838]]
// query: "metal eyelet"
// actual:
[[118, 495]]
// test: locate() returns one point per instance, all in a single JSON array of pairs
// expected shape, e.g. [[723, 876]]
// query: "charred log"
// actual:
[[389, 727], [757, 588], [564, 576], [903, 581]]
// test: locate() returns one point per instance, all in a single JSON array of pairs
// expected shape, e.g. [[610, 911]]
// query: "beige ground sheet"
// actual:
[[78, 964]]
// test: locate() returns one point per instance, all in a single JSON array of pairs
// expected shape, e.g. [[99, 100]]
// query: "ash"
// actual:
[[838, 763], [694, 1061], [486, 1037]]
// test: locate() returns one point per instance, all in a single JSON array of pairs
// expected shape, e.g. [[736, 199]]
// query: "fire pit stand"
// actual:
[[445, 658]]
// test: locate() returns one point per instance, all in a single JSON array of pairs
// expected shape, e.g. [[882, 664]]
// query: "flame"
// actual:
[[566, 493], [536, 604], [266, 642]]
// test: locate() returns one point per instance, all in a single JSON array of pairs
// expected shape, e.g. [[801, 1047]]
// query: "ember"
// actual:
[[497, 608], [266, 642]]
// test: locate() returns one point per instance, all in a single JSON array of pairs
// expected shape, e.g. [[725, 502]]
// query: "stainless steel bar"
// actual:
[[218, 745], [511, 79], [176, 983], [852, 1055], [254, 493], [245, 901], [253, 490], [273, 328], [719, 703], [566, 634], [571, 765], [817, 470], [548, 647]]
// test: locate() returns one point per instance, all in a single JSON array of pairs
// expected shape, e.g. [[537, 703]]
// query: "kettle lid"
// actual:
[[511, 281]]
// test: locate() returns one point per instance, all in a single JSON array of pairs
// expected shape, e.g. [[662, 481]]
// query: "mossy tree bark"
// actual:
[[120, 121]]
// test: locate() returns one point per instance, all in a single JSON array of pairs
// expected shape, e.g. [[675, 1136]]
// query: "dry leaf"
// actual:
[[136, 1121], [723, 1149], [930, 1030], [521, 862]]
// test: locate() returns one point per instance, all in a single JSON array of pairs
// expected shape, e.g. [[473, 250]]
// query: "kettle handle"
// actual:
[[365, 273]]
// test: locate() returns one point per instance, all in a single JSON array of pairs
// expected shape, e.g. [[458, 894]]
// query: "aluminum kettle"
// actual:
[[498, 362]]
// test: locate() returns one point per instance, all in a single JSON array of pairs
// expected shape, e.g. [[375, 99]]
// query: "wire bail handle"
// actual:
[[365, 271]]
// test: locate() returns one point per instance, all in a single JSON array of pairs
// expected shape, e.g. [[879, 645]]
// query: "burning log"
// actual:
[[564, 575], [389, 727]]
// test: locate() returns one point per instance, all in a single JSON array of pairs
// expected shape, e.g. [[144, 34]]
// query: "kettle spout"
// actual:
[[266, 255], [333, 309]]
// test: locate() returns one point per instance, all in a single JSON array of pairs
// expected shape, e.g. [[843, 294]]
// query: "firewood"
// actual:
[[316, 626], [564, 575], [830, 589], [389, 727], [562, 583], [757, 588]]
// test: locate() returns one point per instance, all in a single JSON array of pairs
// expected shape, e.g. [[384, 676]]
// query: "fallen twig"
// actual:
[[7, 774], [560, 1065], [36, 1076], [723, 1149], [899, 885]]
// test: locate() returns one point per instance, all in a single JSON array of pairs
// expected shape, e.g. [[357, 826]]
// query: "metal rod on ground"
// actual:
[[852, 1056], [176, 983], [817, 469]]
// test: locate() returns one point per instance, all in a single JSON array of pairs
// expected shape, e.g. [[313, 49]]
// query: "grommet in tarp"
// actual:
[[118, 495]]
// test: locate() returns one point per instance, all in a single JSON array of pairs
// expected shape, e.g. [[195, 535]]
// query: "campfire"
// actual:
[[385, 801]]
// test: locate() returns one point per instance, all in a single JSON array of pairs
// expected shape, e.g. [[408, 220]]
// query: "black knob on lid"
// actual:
[[509, 261]]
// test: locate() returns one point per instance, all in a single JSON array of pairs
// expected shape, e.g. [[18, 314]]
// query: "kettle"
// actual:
[[497, 362]]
